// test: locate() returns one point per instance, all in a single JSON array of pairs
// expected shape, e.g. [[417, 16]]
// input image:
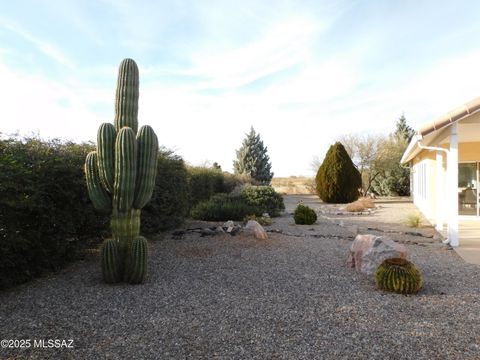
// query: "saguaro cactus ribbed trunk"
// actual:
[[120, 180]]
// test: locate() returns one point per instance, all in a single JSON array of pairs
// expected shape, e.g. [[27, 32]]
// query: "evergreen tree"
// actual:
[[338, 180], [395, 179], [252, 159], [402, 130]]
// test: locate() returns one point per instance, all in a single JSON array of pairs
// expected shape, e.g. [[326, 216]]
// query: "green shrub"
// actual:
[[204, 182], [338, 180], [170, 201], [46, 217], [304, 215], [264, 198], [222, 207]]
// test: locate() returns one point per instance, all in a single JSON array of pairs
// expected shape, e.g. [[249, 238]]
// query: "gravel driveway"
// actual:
[[223, 297]]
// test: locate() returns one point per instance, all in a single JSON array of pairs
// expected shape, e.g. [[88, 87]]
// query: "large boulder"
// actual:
[[256, 229], [369, 251]]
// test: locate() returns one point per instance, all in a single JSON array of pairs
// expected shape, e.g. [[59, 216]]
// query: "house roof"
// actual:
[[451, 117], [429, 130]]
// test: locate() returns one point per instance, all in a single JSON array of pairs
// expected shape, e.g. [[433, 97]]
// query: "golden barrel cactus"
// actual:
[[398, 275]]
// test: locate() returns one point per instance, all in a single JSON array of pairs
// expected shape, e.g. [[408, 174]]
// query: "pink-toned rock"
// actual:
[[369, 251], [256, 229]]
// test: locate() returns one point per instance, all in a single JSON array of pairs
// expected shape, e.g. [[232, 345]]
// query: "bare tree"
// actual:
[[315, 164], [368, 154]]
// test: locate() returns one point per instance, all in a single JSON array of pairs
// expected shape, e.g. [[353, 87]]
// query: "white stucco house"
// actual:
[[444, 157]]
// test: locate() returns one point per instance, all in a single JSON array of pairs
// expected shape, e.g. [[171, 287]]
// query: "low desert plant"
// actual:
[[398, 275], [414, 220], [304, 215], [355, 207], [360, 205], [262, 220], [222, 207], [367, 202]]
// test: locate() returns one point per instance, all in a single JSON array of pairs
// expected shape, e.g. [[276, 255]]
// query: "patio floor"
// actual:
[[469, 248]]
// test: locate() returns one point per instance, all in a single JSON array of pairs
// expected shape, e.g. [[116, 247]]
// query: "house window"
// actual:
[[468, 188], [420, 181]]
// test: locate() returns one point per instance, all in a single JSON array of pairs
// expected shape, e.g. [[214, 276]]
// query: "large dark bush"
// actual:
[[265, 198], [45, 214], [338, 180], [222, 207], [170, 201], [204, 182]]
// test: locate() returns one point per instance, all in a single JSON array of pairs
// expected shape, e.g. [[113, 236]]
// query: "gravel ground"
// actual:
[[223, 297]]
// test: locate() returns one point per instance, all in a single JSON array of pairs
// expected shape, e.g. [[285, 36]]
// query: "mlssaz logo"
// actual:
[[53, 343]]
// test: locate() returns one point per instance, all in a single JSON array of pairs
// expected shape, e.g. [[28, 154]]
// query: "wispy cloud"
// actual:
[[283, 45], [45, 47]]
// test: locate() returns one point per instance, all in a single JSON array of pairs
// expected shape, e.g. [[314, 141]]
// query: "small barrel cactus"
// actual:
[[120, 180], [304, 215], [398, 275]]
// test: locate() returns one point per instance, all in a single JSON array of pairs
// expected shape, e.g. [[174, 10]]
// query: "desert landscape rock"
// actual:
[[368, 251], [253, 227]]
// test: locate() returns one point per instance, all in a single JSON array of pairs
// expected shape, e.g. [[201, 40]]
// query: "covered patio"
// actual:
[[444, 157], [469, 234]]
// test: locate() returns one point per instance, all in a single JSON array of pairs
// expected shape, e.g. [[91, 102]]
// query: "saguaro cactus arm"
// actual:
[[147, 143], [100, 198], [105, 148]]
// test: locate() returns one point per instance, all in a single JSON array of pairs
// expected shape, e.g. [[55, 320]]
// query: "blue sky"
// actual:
[[302, 73]]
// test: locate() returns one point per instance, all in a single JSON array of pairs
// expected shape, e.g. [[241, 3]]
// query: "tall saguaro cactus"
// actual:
[[120, 180]]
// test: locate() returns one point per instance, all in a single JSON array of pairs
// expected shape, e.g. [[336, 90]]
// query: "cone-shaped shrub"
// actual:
[[121, 178], [338, 180], [398, 275]]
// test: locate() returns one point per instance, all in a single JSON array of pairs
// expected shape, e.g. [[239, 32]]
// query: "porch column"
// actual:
[[452, 187], [440, 192]]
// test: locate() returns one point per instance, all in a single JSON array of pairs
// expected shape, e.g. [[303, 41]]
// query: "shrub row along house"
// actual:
[[444, 158]]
